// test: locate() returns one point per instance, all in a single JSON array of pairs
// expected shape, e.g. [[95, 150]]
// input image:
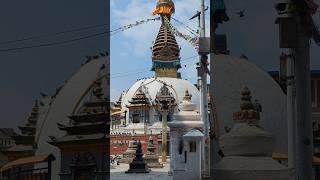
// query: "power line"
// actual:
[[63, 32], [53, 34], [125, 74], [54, 43], [133, 73]]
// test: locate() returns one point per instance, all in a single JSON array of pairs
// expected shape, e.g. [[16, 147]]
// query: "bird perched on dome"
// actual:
[[164, 7]]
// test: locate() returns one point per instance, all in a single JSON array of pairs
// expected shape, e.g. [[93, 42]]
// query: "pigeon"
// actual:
[[53, 138], [103, 67], [41, 103], [243, 56], [220, 153], [43, 95], [88, 58], [196, 15], [281, 7], [241, 13], [227, 129], [257, 106]]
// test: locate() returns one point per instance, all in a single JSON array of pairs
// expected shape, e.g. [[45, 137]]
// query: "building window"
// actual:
[[193, 146], [135, 118], [314, 93]]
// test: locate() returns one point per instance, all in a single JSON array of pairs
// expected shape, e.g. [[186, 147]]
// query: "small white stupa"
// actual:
[[247, 148], [186, 141]]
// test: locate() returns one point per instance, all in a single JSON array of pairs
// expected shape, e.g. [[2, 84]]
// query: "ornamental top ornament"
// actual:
[[165, 50], [164, 7], [249, 113], [165, 101]]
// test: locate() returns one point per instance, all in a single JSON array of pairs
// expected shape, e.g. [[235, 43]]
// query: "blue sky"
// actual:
[[130, 50], [255, 35]]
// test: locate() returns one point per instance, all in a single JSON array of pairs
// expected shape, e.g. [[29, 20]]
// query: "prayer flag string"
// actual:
[[129, 26]]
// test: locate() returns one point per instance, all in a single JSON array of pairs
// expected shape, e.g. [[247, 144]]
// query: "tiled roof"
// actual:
[[7, 132]]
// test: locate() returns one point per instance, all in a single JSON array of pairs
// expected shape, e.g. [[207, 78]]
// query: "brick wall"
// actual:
[[119, 144]]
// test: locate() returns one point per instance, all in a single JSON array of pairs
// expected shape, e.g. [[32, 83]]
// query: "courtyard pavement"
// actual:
[[118, 173]]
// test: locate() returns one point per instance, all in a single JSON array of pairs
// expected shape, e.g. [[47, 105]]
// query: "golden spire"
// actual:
[[165, 50], [164, 7]]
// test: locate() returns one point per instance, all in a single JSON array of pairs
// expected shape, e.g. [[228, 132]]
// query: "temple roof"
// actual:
[[30, 127], [92, 116], [139, 98], [7, 132]]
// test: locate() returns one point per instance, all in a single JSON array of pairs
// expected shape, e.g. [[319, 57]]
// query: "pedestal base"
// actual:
[[138, 167], [152, 161]]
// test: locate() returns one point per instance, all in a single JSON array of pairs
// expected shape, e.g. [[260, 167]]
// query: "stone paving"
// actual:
[[118, 173]]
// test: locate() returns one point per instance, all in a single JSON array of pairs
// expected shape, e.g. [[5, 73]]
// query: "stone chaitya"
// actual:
[[130, 152], [151, 157], [247, 148], [85, 146], [138, 165]]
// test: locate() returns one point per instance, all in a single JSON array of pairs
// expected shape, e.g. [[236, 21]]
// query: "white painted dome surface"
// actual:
[[176, 86], [230, 76], [63, 106]]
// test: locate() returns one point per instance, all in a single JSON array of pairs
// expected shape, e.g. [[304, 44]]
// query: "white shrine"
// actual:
[[186, 141]]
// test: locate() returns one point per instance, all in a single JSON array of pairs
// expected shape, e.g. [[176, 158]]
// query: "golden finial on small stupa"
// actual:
[[187, 96], [164, 7]]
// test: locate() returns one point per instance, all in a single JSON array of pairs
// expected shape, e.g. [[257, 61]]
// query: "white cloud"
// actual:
[[140, 38]]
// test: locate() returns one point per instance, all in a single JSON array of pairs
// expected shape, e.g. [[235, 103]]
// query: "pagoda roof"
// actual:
[[24, 139], [78, 138], [89, 118], [139, 98], [84, 128], [20, 148], [27, 129], [7, 132]]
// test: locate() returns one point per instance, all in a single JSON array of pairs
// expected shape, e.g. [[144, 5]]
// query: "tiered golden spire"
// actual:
[[165, 51]]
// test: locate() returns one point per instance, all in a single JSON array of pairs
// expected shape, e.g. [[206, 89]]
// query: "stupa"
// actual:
[[247, 148], [186, 141], [138, 165], [130, 152], [151, 157]]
